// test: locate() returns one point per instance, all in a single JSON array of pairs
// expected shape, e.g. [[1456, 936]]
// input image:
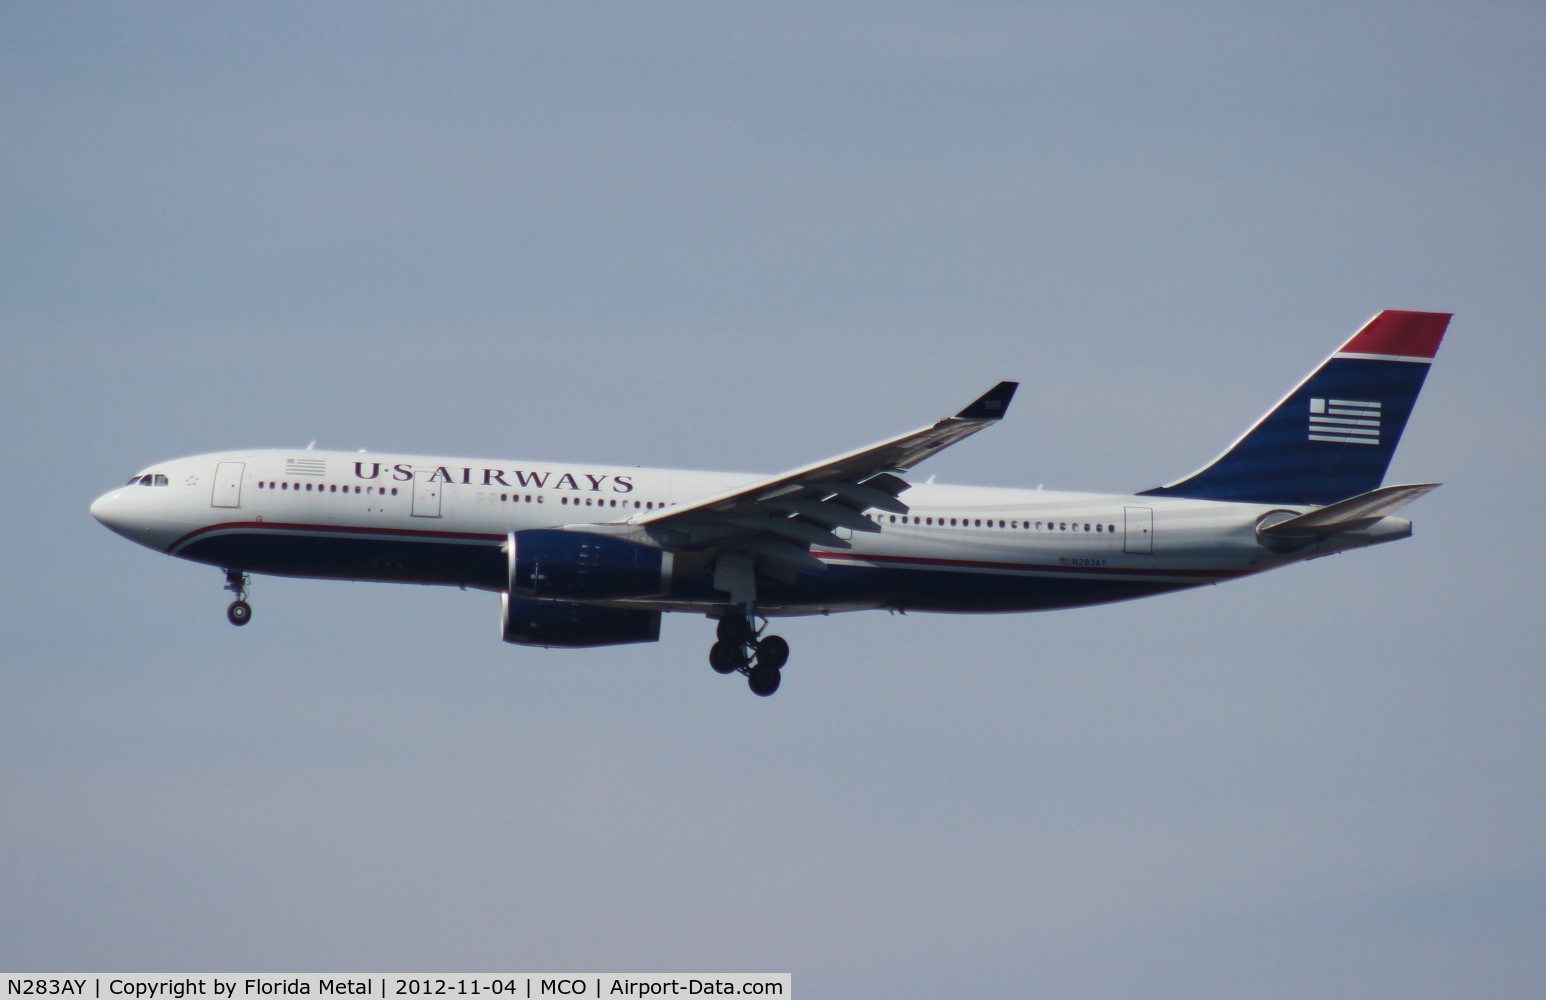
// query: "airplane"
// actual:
[[585, 556]]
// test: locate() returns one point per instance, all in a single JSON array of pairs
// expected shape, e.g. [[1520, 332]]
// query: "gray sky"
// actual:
[[694, 236]]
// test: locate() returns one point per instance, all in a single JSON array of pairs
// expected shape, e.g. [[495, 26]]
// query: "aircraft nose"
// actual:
[[133, 514], [104, 509]]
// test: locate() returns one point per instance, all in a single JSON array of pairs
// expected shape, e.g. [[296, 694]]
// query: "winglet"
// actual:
[[992, 405]]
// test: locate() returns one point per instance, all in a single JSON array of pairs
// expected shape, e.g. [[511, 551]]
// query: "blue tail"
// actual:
[[1333, 436]]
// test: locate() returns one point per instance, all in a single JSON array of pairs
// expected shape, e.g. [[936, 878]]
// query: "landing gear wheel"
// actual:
[[773, 652], [239, 612], [727, 657], [735, 628], [763, 680]]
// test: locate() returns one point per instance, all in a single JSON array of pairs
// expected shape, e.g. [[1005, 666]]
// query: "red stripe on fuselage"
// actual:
[[1035, 568], [330, 529]]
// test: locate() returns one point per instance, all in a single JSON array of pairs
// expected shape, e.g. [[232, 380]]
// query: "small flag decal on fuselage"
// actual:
[[305, 467], [1345, 421]]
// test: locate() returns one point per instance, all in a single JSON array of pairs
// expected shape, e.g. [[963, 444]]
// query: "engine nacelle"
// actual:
[[574, 626], [574, 565]]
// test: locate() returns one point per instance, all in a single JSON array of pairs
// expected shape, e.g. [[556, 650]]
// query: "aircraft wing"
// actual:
[[782, 516]]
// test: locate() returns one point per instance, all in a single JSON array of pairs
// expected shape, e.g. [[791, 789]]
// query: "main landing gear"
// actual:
[[239, 612], [741, 648]]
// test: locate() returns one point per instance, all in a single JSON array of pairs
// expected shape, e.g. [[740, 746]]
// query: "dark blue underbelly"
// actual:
[[481, 566]]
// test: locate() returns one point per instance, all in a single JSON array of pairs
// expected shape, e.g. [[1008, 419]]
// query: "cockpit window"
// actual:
[[149, 479], [145, 480], [160, 479]]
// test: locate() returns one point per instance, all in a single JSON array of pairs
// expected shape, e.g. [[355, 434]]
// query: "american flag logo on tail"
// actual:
[[1345, 421]]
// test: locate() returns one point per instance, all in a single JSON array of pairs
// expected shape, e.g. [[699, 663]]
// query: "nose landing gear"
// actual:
[[239, 612], [742, 649]]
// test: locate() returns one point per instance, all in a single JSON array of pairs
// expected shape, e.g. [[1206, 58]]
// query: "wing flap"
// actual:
[[792, 529], [880, 492], [829, 515]]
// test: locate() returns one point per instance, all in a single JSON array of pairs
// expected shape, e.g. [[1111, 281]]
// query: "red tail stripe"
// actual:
[[1400, 334]]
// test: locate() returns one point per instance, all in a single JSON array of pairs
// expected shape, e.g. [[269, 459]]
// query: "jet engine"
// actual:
[[555, 565], [574, 626], [552, 571]]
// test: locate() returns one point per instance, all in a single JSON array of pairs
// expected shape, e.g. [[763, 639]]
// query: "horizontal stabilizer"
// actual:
[[1346, 515]]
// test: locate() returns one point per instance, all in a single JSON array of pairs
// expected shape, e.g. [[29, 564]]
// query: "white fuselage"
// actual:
[[419, 519]]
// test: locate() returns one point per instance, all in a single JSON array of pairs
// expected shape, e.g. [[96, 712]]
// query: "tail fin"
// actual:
[[1333, 436]]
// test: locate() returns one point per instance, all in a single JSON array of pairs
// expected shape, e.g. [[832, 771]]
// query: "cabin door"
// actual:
[[1138, 536], [426, 493], [228, 485]]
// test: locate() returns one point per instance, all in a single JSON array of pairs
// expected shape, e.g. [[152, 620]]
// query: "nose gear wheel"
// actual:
[[238, 612]]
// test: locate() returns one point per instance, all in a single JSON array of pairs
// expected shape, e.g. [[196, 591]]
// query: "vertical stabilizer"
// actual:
[[1333, 436]]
